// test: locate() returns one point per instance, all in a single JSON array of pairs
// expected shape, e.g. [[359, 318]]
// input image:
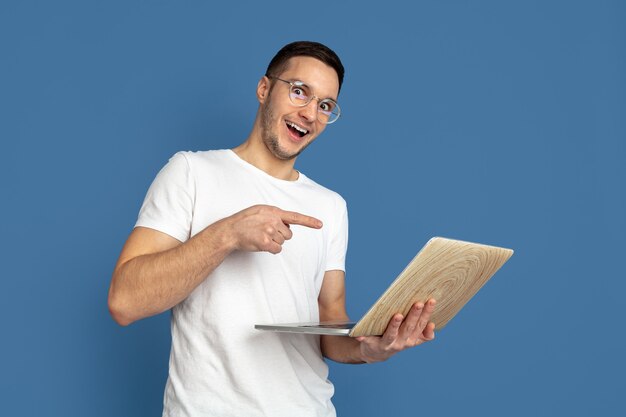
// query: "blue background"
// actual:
[[495, 121]]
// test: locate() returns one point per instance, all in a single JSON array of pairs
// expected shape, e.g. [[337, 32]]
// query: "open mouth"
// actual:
[[296, 130]]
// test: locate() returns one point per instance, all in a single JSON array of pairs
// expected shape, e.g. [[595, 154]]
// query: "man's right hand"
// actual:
[[155, 271], [265, 228]]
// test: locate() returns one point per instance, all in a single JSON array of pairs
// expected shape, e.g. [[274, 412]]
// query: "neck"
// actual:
[[254, 151]]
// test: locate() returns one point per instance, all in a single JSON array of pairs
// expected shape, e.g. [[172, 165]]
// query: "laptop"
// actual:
[[450, 271]]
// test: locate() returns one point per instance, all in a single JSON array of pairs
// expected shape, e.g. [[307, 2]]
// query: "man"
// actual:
[[222, 240]]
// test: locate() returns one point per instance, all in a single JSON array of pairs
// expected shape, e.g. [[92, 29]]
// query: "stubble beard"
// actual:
[[270, 138]]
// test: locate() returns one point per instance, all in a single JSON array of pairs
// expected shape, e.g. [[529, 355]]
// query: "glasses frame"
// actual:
[[311, 97]]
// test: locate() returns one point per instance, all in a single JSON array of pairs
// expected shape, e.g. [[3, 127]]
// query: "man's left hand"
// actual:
[[401, 333]]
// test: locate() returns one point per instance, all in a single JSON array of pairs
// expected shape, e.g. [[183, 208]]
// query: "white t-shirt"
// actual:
[[219, 364]]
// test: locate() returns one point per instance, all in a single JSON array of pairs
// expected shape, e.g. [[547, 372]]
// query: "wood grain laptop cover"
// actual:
[[450, 271]]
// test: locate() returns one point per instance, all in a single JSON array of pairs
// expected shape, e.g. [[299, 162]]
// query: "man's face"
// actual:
[[285, 128]]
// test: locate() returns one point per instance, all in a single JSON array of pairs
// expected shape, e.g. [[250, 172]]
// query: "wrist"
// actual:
[[359, 355], [368, 354], [220, 237], [226, 235]]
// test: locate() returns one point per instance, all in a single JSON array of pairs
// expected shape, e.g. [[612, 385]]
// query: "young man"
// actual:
[[230, 238]]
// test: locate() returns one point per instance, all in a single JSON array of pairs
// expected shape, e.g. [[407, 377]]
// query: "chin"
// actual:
[[280, 152]]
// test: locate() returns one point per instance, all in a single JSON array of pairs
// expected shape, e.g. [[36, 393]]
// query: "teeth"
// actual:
[[298, 128]]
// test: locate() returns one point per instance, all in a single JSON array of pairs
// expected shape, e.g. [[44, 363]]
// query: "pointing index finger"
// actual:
[[291, 217]]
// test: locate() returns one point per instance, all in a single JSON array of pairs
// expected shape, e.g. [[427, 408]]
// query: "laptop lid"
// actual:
[[450, 271]]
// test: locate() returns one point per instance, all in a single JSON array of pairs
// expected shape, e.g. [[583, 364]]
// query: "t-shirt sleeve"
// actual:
[[168, 206], [338, 245]]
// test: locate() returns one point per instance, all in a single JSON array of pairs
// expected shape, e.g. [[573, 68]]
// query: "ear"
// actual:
[[263, 89]]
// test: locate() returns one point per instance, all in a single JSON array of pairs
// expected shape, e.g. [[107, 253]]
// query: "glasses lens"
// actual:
[[299, 95], [328, 111]]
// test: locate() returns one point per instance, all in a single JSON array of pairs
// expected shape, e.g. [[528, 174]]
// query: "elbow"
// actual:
[[116, 308], [120, 318]]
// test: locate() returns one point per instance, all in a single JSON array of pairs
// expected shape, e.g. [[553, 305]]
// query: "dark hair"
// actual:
[[316, 50]]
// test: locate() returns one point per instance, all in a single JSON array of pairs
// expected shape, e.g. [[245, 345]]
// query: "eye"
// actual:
[[327, 106], [299, 94]]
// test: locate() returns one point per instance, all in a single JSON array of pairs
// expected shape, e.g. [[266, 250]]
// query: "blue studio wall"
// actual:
[[502, 122]]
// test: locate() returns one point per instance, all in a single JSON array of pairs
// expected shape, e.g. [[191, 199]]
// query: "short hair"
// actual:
[[316, 50]]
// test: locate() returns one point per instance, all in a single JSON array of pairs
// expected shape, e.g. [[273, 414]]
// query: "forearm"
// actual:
[[332, 307], [150, 284], [342, 349]]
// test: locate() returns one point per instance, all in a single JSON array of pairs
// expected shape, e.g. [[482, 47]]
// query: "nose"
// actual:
[[309, 112]]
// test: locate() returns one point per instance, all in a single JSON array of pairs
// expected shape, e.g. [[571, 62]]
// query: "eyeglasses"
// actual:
[[328, 110]]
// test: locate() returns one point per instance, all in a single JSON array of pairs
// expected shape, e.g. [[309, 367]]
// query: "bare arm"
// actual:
[[332, 306], [155, 271], [401, 333]]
